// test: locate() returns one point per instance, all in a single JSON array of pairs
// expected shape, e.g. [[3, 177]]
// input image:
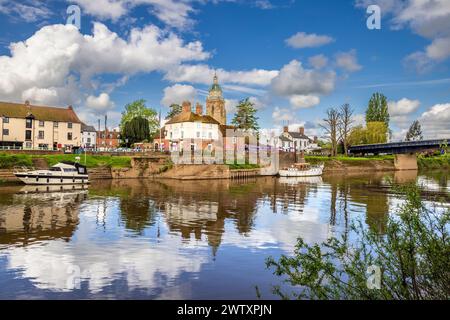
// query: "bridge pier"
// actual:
[[406, 162]]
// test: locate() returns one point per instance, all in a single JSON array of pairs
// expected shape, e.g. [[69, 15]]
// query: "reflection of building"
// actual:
[[39, 216], [32, 127]]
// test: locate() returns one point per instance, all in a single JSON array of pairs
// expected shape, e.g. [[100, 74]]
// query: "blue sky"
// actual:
[[294, 59]]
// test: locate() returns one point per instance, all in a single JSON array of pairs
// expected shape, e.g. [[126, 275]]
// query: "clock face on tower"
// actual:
[[215, 103]]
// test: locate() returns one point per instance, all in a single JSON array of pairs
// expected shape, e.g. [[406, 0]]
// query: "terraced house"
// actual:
[[25, 126]]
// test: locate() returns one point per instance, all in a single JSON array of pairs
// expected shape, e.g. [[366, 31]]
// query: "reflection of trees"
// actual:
[[367, 190], [137, 213]]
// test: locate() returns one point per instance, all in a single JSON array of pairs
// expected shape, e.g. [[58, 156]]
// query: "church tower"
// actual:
[[215, 103]]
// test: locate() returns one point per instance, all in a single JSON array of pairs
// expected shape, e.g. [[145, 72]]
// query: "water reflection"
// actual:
[[172, 239]]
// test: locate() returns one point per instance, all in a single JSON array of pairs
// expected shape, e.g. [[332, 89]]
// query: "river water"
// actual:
[[166, 239]]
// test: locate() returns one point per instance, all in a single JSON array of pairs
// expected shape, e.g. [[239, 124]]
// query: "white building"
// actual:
[[295, 141], [88, 137], [199, 130]]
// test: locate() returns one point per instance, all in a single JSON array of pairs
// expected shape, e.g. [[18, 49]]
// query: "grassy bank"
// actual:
[[435, 162], [8, 161], [346, 159], [243, 166]]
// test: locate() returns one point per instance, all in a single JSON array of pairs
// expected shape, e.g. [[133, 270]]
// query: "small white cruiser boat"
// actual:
[[302, 170], [61, 173]]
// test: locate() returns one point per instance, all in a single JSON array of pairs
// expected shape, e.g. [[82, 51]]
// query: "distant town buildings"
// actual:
[[25, 126], [88, 137], [108, 140], [294, 141]]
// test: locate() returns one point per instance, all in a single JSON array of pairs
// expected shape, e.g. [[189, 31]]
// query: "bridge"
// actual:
[[405, 152]]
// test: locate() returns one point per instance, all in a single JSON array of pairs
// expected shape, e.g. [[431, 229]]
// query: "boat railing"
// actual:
[[21, 169]]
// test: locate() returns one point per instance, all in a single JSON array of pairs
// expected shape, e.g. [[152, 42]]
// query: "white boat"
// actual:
[[293, 181], [302, 170], [61, 173]]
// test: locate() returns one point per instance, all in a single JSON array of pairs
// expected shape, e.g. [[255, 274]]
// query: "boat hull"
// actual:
[[52, 180], [314, 172]]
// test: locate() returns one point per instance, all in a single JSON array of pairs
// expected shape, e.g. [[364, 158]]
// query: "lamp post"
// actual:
[[3, 124]]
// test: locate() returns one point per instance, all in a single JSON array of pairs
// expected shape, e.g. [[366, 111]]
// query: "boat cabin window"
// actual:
[[55, 169], [70, 170]]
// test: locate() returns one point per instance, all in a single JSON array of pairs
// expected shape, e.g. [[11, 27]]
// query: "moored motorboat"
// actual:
[[302, 170], [61, 173]]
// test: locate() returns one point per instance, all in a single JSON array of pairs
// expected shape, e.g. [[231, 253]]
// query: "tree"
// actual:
[[375, 132], [411, 258], [174, 110], [377, 110], [345, 125], [138, 109], [415, 132], [136, 130], [330, 126], [245, 118]]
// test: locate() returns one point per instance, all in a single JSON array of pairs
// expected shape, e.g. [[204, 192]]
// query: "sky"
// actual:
[[293, 58]]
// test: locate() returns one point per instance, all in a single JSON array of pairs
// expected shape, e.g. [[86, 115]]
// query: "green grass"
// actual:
[[315, 159], [243, 166], [9, 161], [434, 162], [91, 161]]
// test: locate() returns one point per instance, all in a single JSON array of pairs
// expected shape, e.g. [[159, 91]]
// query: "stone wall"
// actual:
[[197, 172]]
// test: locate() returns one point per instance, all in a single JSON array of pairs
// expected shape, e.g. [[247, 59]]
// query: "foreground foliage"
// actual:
[[413, 256]]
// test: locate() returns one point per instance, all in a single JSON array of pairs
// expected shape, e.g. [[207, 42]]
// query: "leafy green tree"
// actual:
[[415, 132], [412, 257], [174, 110], [245, 117], [135, 130], [138, 109], [377, 110], [375, 132]]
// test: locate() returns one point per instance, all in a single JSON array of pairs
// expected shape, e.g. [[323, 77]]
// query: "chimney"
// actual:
[[199, 109], [285, 129], [316, 140], [27, 103], [187, 107], [70, 107], [302, 131]]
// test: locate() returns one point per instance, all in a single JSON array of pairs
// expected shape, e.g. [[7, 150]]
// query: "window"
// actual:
[[28, 145], [55, 124], [171, 135], [88, 140], [41, 135], [69, 135], [182, 134], [198, 134], [5, 120], [199, 125], [29, 123], [204, 134], [55, 169], [41, 123], [6, 132], [210, 135], [27, 134], [70, 125]]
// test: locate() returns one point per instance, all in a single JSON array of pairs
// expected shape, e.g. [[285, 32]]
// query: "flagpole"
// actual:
[[160, 131]]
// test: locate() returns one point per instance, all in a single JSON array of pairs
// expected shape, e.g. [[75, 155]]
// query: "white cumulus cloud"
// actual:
[[304, 101], [100, 103], [177, 94], [305, 40]]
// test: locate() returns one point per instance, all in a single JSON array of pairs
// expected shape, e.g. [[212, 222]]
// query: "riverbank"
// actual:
[[377, 163], [126, 167]]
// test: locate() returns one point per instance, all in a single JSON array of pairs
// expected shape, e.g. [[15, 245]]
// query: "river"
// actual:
[[167, 239]]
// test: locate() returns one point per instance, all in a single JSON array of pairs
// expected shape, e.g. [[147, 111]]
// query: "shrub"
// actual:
[[413, 256]]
